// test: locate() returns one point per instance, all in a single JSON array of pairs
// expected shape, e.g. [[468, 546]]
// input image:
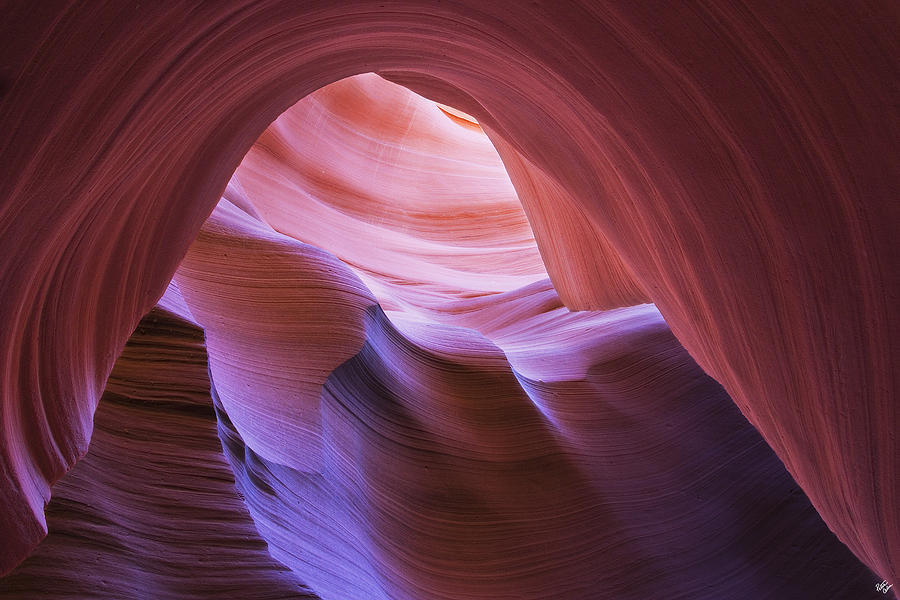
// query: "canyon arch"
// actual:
[[740, 162]]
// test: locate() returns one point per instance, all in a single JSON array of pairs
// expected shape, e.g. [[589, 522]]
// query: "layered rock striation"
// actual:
[[731, 164]]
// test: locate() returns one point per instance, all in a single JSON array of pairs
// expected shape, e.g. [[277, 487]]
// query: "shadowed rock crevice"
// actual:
[[151, 512]]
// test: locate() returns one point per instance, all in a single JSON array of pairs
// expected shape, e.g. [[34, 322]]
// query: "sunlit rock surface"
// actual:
[[732, 164]]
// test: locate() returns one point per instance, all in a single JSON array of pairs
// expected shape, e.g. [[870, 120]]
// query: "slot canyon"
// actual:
[[451, 300]]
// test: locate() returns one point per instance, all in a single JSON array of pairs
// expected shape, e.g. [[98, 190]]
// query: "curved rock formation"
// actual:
[[421, 207], [151, 511], [732, 164]]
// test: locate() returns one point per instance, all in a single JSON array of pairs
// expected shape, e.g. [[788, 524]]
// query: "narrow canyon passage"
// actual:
[[408, 408], [607, 311]]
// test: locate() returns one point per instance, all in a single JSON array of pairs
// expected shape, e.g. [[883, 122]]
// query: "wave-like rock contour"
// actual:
[[734, 164]]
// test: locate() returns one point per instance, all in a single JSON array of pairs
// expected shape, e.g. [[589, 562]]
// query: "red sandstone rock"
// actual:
[[739, 160]]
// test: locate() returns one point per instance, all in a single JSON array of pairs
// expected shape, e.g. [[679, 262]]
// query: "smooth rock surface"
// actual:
[[739, 160]]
